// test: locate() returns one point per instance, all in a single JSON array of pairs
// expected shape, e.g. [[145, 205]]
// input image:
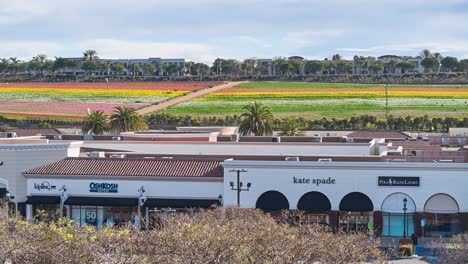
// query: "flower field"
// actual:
[[71, 100], [333, 100]]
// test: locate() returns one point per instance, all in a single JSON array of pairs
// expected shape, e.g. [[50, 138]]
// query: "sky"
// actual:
[[203, 30]]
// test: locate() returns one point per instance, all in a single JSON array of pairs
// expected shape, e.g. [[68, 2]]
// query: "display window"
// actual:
[[394, 224], [441, 225], [353, 222], [103, 215]]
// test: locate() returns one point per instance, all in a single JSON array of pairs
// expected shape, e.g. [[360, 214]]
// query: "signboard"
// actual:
[[45, 185], [398, 181], [423, 222], [315, 182], [103, 187], [90, 217]]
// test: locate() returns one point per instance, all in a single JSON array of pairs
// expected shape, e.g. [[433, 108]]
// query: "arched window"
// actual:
[[356, 202], [441, 216], [314, 202], [395, 221], [272, 201]]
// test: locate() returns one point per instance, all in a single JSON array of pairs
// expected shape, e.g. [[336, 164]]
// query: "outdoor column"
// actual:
[[68, 210], [29, 212]]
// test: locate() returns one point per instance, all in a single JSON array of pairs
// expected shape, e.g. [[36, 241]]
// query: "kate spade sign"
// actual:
[[103, 187], [398, 181], [315, 182]]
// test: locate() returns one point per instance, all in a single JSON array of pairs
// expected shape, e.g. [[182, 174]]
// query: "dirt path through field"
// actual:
[[184, 98]]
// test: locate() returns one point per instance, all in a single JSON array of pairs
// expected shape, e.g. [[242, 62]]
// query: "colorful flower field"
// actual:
[[333, 99], [72, 100]]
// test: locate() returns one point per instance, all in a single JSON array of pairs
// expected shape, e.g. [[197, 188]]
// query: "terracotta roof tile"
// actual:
[[131, 167]]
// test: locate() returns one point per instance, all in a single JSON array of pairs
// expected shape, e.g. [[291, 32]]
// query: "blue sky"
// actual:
[[203, 30]]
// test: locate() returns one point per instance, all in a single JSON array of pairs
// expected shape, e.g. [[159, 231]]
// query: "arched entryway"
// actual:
[[355, 213], [272, 201], [395, 222], [316, 206], [441, 216]]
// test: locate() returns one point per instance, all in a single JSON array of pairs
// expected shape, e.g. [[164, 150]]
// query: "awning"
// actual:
[[43, 199], [272, 201], [356, 202], [314, 202], [394, 203], [101, 201], [441, 204], [180, 203]]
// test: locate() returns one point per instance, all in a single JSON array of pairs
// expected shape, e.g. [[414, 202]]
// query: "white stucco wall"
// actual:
[[18, 158], [128, 187], [240, 148], [349, 177]]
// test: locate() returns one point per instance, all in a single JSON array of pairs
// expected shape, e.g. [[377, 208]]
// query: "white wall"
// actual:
[[350, 177], [18, 158], [177, 188], [240, 148]]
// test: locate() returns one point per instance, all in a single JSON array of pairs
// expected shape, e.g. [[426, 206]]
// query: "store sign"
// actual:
[[44, 186], [315, 182], [398, 181], [103, 187]]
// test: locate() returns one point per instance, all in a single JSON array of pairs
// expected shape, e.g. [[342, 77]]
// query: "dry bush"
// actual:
[[455, 250], [221, 235]]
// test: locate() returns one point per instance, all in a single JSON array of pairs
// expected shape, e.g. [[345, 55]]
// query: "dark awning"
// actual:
[[356, 202], [101, 201], [314, 202], [180, 203], [43, 199], [272, 201]]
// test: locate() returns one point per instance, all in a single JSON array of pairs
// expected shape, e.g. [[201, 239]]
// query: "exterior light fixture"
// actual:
[[239, 188]]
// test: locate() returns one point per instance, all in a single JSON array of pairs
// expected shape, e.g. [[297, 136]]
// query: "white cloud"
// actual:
[[449, 46], [25, 50], [113, 48], [308, 38]]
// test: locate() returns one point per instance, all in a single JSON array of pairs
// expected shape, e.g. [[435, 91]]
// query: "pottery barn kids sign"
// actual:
[[103, 187], [315, 182]]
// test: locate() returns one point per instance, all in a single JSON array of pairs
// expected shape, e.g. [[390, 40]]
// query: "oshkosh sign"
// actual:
[[103, 187]]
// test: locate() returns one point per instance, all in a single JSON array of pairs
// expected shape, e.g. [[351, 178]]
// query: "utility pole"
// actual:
[[239, 188]]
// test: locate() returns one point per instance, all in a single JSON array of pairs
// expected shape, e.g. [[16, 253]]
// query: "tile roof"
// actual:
[[131, 167], [378, 134], [28, 132]]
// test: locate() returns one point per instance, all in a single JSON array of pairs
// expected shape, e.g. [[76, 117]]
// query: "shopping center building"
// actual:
[[350, 196], [388, 187]]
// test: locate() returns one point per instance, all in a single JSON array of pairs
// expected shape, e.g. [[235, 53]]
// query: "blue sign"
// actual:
[[103, 187], [423, 222]]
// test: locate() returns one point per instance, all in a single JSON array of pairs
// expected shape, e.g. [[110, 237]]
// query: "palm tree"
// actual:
[[96, 123], [125, 119], [290, 127], [90, 55], [257, 119]]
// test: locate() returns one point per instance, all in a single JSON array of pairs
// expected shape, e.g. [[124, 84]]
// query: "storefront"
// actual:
[[116, 192], [384, 199]]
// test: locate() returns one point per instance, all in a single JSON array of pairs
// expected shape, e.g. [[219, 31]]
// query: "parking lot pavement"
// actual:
[[413, 260]]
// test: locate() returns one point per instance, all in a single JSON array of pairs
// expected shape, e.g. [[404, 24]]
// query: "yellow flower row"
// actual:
[[97, 92]]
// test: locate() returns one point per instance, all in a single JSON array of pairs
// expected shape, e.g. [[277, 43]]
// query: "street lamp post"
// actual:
[[63, 194], [405, 201], [239, 188]]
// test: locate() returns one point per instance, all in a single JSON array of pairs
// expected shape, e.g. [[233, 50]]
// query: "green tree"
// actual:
[[134, 68], [189, 67], [126, 119], [343, 67], [430, 64], [449, 64], [149, 69], [4, 65], [200, 69], [257, 119], [463, 65], [90, 66], [117, 67], [104, 67], [14, 65], [405, 66], [376, 66], [290, 127], [313, 66], [96, 122], [90, 55]]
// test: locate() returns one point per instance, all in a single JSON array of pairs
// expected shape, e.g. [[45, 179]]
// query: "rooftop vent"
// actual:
[[446, 161], [292, 159], [167, 157], [325, 160], [97, 154], [117, 156], [116, 138]]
